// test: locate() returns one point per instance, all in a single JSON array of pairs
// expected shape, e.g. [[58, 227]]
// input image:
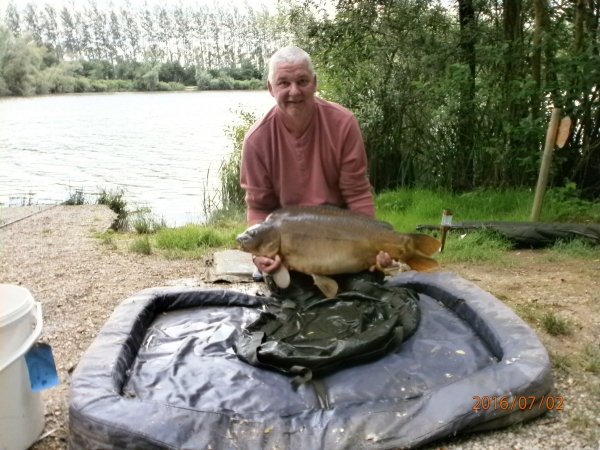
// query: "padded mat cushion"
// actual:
[[162, 374]]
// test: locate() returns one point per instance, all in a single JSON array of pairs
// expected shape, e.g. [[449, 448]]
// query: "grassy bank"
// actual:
[[405, 209]]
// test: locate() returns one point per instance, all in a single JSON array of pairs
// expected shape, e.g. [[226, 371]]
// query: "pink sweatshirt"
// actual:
[[326, 165]]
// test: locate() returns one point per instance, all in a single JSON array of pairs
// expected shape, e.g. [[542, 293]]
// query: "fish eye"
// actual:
[[252, 230]]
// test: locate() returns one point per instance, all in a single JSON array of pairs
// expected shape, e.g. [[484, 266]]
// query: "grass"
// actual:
[[475, 247], [591, 358], [529, 313], [195, 240], [404, 208], [574, 248], [555, 325], [115, 200], [560, 362], [144, 222], [141, 245], [407, 208], [580, 421], [107, 238]]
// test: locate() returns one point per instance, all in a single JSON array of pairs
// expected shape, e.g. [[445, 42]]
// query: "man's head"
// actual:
[[289, 55], [293, 83]]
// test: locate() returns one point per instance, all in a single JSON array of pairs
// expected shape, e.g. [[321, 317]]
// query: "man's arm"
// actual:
[[260, 197], [354, 184]]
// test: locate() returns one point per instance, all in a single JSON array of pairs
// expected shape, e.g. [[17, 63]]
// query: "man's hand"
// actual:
[[382, 260], [266, 264]]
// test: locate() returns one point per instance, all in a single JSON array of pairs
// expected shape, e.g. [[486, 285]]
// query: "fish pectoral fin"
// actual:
[[327, 285], [281, 277], [421, 262], [390, 270], [425, 243]]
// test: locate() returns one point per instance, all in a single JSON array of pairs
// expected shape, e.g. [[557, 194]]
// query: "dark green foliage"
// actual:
[[75, 198], [213, 80], [566, 204], [247, 71], [447, 101], [232, 194], [116, 202], [174, 72], [98, 69]]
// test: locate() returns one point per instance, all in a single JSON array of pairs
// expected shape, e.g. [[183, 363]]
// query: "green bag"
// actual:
[[311, 336]]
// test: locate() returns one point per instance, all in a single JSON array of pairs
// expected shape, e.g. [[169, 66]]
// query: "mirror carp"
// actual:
[[325, 240]]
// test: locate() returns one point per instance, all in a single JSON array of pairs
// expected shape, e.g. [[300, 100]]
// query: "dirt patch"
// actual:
[[80, 280]]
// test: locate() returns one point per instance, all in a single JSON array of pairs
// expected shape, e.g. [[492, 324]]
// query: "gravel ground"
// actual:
[[80, 279]]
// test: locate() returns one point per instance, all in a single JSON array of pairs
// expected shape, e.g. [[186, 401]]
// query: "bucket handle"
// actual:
[[30, 341]]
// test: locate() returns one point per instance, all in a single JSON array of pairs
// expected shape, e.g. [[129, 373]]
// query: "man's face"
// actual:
[[294, 88]]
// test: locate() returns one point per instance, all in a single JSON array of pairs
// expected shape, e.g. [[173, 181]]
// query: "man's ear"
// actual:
[[270, 87], [315, 80]]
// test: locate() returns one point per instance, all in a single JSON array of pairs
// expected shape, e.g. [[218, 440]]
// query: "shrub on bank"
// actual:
[[249, 85]]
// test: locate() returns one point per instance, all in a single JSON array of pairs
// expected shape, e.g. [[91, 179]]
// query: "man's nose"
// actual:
[[294, 89]]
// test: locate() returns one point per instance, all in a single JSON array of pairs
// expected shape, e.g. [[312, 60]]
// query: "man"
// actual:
[[305, 151]]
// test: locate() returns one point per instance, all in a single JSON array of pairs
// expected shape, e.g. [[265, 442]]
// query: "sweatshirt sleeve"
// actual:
[[354, 184], [254, 179]]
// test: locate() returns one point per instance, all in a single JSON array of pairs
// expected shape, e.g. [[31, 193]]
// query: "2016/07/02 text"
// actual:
[[521, 402]]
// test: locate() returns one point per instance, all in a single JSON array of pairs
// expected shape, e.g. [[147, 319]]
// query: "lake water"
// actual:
[[163, 148]]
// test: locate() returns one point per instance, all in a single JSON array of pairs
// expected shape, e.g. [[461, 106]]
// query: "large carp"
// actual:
[[324, 240]]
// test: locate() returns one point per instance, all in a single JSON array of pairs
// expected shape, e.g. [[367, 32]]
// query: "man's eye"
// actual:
[[303, 82]]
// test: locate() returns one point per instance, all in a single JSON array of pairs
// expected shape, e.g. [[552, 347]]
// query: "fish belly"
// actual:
[[323, 257]]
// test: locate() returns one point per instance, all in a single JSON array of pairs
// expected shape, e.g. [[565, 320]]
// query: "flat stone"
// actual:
[[233, 266]]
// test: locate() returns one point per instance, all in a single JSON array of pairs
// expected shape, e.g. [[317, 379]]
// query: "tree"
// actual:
[[13, 19], [32, 22]]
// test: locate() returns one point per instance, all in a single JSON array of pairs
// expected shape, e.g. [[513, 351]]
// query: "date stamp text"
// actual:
[[522, 402]]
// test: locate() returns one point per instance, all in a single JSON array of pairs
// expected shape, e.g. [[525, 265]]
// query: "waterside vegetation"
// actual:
[[142, 233], [85, 47]]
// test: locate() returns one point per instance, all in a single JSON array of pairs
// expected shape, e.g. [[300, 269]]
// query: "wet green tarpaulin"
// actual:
[[530, 234], [306, 334]]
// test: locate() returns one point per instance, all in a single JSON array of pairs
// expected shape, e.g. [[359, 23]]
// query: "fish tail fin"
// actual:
[[421, 262], [425, 244], [328, 286]]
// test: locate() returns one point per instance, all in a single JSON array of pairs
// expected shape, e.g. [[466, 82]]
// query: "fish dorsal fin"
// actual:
[[281, 277], [421, 262], [327, 285], [425, 243]]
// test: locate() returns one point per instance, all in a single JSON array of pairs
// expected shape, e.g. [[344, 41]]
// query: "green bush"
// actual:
[[116, 202], [82, 85], [99, 86], [223, 83], [76, 198], [143, 222], [203, 80], [232, 193], [249, 85], [176, 86]]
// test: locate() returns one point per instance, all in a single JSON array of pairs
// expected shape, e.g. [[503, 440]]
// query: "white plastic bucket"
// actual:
[[21, 409]]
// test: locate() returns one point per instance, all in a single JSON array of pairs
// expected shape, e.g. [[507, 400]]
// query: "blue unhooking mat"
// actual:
[[162, 374]]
